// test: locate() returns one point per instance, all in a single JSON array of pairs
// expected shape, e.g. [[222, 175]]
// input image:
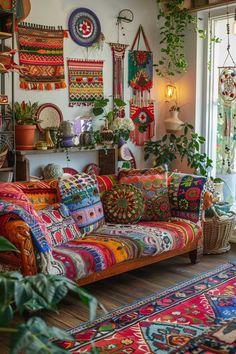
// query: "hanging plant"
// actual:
[[176, 18]]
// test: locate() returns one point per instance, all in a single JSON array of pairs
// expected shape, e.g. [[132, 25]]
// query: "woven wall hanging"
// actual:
[[85, 81], [140, 75], [144, 121], [226, 137], [41, 53], [118, 54]]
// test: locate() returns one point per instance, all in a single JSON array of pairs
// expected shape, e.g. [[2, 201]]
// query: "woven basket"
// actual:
[[217, 231], [3, 155]]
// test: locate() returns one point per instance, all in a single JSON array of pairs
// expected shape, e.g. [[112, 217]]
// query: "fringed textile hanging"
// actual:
[[85, 81], [144, 121], [140, 75], [41, 53], [226, 139], [118, 54]]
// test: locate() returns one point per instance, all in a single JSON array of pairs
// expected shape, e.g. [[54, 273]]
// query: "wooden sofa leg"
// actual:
[[196, 254]]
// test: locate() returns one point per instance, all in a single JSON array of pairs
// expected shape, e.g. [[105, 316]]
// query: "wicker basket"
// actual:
[[3, 155], [217, 231]]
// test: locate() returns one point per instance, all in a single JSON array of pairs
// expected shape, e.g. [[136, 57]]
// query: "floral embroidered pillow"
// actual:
[[153, 184]]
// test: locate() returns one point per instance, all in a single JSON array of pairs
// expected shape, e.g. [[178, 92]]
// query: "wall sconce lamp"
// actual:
[[170, 92]]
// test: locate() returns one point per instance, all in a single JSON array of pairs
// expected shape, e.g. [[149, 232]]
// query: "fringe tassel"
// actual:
[[41, 86]]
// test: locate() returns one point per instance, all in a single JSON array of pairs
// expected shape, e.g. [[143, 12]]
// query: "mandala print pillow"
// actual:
[[152, 183], [123, 204], [60, 225]]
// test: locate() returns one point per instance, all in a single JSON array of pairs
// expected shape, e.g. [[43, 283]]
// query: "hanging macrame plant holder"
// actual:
[[140, 79], [227, 110]]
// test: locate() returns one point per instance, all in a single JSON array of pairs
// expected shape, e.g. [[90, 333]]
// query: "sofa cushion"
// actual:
[[153, 184], [186, 194], [40, 193], [115, 243], [80, 194], [106, 182], [60, 225], [123, 204]]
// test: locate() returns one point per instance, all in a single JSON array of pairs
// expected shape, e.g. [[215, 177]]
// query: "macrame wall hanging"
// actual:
[[41, 54], [85, 81], [226, 137], [140, 78], [118, 54]]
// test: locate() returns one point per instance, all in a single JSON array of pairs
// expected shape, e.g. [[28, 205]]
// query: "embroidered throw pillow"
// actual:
[[186, 193], [106, 182], [153, 184], [80, 194], [123, 204], [60, 225]]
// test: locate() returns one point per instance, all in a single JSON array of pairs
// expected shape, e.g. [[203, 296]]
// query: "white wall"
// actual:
[[57, 12]]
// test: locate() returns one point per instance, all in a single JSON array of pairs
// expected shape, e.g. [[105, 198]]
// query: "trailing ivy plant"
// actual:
[[26, 296], [175, 21]]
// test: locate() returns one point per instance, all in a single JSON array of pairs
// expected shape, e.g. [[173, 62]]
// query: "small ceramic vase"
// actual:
[[107, 135], [173, 123]]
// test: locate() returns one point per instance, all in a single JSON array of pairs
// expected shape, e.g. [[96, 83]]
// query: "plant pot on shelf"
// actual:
[[173, 123], [24, 136]]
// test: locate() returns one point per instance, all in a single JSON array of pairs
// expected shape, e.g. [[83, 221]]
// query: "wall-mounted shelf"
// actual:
[[107, 159], [5, 35], [211, 5]]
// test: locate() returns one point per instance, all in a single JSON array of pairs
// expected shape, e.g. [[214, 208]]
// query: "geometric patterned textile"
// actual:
[[123, 204], [153, 184], [41, 53], [186, 194], [39, 193], [106, 182], [116, 243], [179, 319], [80, 194], [144, 122], [14, 201], [61, 227], [85, 81]]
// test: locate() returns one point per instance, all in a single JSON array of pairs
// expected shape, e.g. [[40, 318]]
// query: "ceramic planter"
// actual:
[[24, 135], [173, 123]]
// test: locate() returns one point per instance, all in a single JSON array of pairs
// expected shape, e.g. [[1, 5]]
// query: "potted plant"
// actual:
[[115, 127], [187, 145], [25, 123]]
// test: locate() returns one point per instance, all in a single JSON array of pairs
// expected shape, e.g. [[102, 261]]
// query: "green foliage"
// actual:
[[175, 21], [24, 112], [188, 145], [6, 246], [99, 108], [28, 295]]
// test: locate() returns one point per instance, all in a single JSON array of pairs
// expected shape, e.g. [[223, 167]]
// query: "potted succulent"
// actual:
[[25, 123], [187, 145]]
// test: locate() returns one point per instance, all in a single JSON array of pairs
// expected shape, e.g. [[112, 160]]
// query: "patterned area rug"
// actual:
[[195, 316]]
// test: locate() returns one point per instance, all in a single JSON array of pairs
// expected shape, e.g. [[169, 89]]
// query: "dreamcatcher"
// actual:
[[227, 111]]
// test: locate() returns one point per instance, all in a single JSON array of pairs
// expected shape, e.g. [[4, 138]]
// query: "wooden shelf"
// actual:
[[212, 6], [61, 150], [5, 35], [6, 169]]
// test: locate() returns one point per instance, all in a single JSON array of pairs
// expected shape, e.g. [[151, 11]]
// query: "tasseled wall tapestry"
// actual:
[[85, 81], [140, 78], [41, 53]]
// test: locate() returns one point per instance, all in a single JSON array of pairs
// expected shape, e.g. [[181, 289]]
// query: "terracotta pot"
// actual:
[[24, 135]]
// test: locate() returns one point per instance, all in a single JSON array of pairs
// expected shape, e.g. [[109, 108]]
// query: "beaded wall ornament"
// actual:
[[226, 137], [140, 78]]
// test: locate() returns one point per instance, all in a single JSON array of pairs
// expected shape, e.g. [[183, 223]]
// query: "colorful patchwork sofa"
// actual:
[[59, 226]]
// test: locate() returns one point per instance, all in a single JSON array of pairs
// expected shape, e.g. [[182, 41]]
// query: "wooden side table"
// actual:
[[217, 230]]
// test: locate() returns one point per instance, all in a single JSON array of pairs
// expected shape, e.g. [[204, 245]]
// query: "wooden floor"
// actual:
[[123, 289]]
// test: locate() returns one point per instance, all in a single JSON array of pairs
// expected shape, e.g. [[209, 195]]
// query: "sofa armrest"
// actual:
[[18, 232], [186, 195]]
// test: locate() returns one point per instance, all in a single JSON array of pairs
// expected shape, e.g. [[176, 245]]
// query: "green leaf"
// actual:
[[97, 111], [6, 315], [6, 246], [119, 102]]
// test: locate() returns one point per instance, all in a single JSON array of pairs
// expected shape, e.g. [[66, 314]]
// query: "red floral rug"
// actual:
[[195, 316]]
